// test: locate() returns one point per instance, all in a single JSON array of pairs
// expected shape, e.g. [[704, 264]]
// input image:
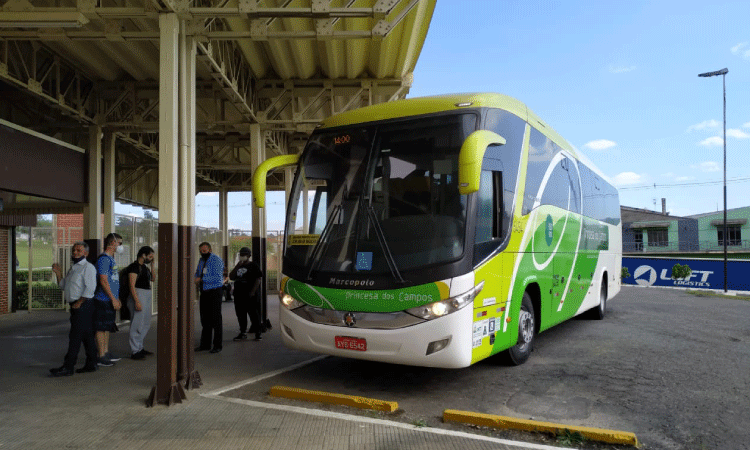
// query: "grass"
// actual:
[[43, 256], [715, 295], [419, 423], [570, 439]]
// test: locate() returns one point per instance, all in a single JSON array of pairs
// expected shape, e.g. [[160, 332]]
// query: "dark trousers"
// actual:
[[81, 331], [246, 305], [210, 307]]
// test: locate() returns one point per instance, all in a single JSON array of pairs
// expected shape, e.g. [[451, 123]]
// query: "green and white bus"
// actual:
[[439, 231]]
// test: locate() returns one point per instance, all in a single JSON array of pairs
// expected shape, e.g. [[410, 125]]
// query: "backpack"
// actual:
[[123, 294]]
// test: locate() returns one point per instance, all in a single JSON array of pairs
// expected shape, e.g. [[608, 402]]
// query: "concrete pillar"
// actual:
[[186, 373], [258, 151], [167, 390], [224, 226], [288, 180], [92, 210], [108, 201]]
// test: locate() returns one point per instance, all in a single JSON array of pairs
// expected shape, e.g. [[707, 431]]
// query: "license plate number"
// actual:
[[351, 343]]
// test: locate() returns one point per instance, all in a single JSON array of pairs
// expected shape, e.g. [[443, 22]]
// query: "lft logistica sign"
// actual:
[[705, 273]]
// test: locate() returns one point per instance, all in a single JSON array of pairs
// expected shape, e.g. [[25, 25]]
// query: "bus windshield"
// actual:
[[379, 199]]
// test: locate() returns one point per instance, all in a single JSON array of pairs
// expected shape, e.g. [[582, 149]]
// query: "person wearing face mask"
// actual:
[[247, 277], [106, 298], [140, 275], [209, 277], [78, 290]]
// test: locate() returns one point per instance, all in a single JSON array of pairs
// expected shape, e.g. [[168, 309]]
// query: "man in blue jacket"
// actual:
[[209, 277]]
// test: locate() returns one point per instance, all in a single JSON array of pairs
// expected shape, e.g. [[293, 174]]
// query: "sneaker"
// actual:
[[111, 357], [137, 355], [105, 362], [240, 337], [258, 337], [146, 352]]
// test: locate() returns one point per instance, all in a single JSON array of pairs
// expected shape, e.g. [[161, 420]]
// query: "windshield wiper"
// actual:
[[322, 241], [383, 244]]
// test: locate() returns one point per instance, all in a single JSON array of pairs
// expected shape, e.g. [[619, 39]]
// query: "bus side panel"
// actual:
[[549, 260]]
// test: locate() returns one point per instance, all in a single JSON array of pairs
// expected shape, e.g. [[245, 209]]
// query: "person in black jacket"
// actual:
[[247, 277]]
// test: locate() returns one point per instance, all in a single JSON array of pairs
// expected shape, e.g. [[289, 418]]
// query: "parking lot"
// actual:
[[672, 367]]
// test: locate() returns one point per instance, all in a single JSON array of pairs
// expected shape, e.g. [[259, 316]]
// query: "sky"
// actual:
[[618, 80]]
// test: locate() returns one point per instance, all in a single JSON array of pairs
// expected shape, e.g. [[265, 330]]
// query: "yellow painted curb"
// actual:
[[489, 420], [336, 399]]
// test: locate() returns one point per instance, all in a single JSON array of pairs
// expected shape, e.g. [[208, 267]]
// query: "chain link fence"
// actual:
[[37, 248]]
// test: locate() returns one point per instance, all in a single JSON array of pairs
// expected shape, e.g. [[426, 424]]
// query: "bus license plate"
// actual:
[[351, 343]]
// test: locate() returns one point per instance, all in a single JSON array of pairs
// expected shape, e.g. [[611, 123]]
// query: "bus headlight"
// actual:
[[449, 305], [290, 302]]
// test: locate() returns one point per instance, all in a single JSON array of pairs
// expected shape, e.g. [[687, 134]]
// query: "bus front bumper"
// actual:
[[408, 345]]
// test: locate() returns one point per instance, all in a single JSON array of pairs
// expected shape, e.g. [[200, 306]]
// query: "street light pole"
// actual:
[[723, 73]]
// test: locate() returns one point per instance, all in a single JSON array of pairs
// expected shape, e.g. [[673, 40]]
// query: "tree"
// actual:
[[681, 271]]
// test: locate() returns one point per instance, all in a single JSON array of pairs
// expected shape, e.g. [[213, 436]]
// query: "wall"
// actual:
[[69, 228], [706, 273], [707, 232], [5, 272], [688, 235]]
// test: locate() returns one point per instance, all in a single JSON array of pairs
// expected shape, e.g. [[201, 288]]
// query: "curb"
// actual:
[[489, 420], [336, 399]]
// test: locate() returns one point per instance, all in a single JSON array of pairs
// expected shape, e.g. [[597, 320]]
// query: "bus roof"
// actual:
[[439, 103]]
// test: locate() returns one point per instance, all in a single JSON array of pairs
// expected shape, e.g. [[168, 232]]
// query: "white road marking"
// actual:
[[216, 395], [262, 377]]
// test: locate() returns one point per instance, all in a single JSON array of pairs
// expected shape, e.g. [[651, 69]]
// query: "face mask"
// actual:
[[205, 255], [120, 249], [77, 260]]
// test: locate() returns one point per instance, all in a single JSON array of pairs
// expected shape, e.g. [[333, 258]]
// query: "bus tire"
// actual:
[[519, 353], [598, 312]]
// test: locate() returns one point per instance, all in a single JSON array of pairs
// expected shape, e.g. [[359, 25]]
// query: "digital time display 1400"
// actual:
[[343, 139]]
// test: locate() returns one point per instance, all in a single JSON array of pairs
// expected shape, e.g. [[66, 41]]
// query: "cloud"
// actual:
[[621, 69], [704, 125], [746, 125], [600, 144], [707, 166], [673, 176], [742, 49], [737, 133], [714, 141], [626, 178]]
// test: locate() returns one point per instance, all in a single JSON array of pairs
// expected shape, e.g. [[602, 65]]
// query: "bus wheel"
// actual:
[[519, 353], [597, 312]]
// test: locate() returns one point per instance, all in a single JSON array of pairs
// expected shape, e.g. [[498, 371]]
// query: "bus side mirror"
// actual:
[[259, 177], [471, 156]]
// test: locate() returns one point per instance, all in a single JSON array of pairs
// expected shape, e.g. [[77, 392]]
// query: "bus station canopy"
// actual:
[[69, 65]]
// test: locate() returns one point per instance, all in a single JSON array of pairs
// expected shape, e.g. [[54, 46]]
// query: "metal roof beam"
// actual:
[[228, 68], [60, 85]]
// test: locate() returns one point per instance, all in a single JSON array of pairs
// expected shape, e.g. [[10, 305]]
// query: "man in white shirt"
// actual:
[[78, 290]]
